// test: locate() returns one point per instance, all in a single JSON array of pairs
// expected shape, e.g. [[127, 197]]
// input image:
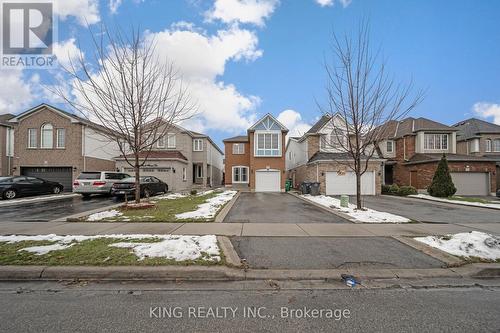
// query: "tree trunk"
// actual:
[[137, 180], [358, 190]]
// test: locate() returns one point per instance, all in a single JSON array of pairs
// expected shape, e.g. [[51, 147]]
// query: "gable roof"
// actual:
[[239, 138], [271, 117], [4, 119], [473, 127], [411, 126], [319, 124]]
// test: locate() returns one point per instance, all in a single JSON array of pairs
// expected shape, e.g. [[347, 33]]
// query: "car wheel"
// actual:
[[56, 190], [165, 189], [147, 193], [86, 196], [9, 194]]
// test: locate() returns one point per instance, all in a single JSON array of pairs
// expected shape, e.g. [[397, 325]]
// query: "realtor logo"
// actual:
[[28, 34]]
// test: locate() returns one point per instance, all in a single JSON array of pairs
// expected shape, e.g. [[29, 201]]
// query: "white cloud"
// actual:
[[487, 110], [329, 3], [114, 5], [66, 52], [84, 10], [17, 92], [242, 11], [293, 121]]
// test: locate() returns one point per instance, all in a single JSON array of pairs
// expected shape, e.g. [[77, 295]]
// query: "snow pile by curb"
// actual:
[[467, 244], [175, 247], [457, 202], [103, 215], [208, 209], [367, 215]]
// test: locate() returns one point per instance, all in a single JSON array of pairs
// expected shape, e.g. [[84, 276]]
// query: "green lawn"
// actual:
[[164, 210], [95, 252]]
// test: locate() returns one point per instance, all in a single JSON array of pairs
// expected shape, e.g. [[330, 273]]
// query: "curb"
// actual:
[[333, 211], [448, 259], [232, 258], [219, 273], [225, 210], [446, 203], [5, 203], [75, 217]]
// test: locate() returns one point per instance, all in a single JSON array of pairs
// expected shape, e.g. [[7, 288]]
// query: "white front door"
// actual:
[[267, 181], [345, 183]]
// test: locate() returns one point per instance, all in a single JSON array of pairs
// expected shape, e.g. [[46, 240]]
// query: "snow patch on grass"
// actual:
[[208, 209], [457, 202], [104, 215], [44, 249], [466, 244], [366, 215]]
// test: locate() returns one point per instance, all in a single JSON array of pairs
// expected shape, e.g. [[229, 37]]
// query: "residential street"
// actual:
[[132, 307], [44, 211], [428, 211]]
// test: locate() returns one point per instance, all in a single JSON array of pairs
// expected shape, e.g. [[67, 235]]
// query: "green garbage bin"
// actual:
[[288, 185], [344, 201]]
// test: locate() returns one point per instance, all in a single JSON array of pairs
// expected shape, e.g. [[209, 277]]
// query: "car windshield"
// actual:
[[5, 179], [132, 179], [89, 175]]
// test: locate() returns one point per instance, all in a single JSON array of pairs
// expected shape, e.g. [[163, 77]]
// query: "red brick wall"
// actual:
[[234, 160], [409, 143]]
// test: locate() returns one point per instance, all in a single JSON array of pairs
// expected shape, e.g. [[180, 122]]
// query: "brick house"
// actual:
[[256, 161], [183, 159], [477, 137], [413, 147], [315, 157], [6, 145], [57, 145]]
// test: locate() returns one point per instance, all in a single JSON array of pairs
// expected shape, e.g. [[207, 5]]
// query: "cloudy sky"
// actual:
[[245, 58]]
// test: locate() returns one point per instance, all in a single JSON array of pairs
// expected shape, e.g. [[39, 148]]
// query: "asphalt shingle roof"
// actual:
[[324, 156], [426, 158], [319, 124], [159, 154], [239, 138], [473, 127], [4, 118]]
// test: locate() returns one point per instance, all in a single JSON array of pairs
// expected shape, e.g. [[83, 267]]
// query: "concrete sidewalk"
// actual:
[[244, 229]]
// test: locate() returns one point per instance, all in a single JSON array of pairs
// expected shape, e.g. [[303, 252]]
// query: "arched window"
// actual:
[[47, 136], [488, 145], [496, 145]]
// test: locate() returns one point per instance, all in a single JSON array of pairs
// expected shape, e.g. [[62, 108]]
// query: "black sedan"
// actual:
[[149, 186], [13, 187]]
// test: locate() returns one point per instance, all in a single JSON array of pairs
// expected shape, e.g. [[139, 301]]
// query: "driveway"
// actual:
[[428, 211], [277, 208]]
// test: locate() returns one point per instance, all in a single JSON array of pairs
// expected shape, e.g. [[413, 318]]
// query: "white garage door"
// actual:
[[471, 183], [345, 183], [267, 181]]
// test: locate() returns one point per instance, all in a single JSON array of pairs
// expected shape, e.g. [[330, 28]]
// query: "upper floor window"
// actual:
[[61, 138], [390, 146], [47, 136], [436, 141], [198, 145], [171, 140], [160, 143], [496, 145], [238, 148], [488, 145], [32, 137], [267, 144]]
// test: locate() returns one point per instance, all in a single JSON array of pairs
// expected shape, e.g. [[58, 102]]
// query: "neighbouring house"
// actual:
[[56, 145], [256, 161], [413, 147], [6, 145], [315, 157], [477, 137], [183, 159]]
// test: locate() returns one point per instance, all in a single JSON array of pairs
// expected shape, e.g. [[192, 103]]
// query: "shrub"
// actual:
[[385, 189], [193, 192], [442, 185], [407, 190], [390, 189]]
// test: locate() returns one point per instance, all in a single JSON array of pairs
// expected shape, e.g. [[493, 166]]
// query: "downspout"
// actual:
[[317, 171]]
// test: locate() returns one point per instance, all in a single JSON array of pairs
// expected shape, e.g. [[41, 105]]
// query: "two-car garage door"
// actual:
[[63, 175], [345, 183]]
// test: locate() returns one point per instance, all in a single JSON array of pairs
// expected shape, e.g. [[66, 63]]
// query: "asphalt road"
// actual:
[[50, 210], [277, 208], [428, 211], [329, 252], [130, 308]]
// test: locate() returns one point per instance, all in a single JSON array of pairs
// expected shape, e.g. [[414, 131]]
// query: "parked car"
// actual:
[[498, 193], [149, 186], [97, 182], [13, 187]]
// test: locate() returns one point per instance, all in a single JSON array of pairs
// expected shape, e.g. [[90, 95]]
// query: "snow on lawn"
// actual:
[[173, 196], [208, 209], [367, 215], [458, 202], [104, 215], [175, 247], [467, 244]]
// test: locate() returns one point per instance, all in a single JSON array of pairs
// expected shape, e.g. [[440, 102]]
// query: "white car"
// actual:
[[97, 182]]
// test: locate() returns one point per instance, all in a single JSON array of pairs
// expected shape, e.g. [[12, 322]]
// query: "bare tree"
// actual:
[[129, 91], [366, 97]]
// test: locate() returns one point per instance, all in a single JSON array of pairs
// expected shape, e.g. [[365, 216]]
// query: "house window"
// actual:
[[32, 137], [268, 144], [199, 171], [184, 174], [61, 138], [171, 140], [488, 145], [436, 141], [240, 174], [198, 145], [161, 142], [47, 136], [390, 146], [238, 148], [496, 145]]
